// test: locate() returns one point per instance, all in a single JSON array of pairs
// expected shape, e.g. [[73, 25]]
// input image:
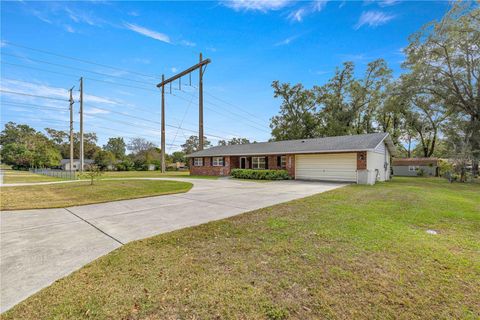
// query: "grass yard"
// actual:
[[359, 252], [152, 174], [18, 176], [81, 192]]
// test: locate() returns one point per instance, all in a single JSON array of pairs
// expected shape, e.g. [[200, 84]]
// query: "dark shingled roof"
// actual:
[[361, 142]]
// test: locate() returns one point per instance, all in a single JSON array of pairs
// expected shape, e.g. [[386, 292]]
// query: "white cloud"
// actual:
[[355, 57], [148, 33], [83, 17], [256, 5], [173, 69], [133, 13], [300, 13], [188, 43], [373, 19], [297, 15], [41, 16], [142, 60], [96, 111], [286, 41], [387, 3], [69, 29]]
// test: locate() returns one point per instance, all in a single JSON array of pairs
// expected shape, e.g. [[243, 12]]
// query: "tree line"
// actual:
[[434, 104]]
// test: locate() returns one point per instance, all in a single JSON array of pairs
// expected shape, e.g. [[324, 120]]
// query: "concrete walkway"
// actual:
[[41, 246]]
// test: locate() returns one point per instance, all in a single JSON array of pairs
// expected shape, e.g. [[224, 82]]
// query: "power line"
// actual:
[[225, 115], [239, 115], [32, 95], [76, 68], [80, 60], [229, 103], [36, 106], [123, 114], [133, 107], [141, 88], [181, 122], [113, 76], [125, 85], [25, 105], [76, 76]]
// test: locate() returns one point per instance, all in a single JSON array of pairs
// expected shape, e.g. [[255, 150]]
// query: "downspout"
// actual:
[[385, 165]]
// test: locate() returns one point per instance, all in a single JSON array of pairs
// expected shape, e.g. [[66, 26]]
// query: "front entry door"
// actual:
[[243, 163]]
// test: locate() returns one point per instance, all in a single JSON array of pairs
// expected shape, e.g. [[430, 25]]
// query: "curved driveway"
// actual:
[[43, 245]]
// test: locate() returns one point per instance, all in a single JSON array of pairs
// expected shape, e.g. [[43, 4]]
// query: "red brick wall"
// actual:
[[272, 162], [361, 160], [234, 162], [291, 165], [208, 170]]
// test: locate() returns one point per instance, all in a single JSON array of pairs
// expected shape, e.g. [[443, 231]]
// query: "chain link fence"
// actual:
[[67, 175]]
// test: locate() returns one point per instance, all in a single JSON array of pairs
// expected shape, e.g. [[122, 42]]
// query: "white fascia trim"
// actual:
[[281, 153]]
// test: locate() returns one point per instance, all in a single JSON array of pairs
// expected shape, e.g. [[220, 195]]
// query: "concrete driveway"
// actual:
[[41, 246]]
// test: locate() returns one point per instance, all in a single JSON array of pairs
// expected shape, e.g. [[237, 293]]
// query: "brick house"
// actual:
[[361, 158]]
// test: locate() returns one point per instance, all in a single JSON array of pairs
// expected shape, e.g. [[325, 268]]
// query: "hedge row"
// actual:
[[260, 174]]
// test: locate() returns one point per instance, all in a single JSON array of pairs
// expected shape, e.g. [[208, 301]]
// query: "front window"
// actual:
[[413, 168], [217, 161], [198, 162], [258, 162], [282, 162]]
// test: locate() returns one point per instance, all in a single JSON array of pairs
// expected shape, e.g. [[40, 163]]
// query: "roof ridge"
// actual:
[[307, 139]]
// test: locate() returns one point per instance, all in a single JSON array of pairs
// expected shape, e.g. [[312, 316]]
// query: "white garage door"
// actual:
[[331, 167]]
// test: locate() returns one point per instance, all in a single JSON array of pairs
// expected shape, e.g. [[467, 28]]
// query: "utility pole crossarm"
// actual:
[[200, 65], [185, 72]]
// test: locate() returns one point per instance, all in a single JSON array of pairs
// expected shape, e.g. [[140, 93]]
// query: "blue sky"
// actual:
[[251, 43]]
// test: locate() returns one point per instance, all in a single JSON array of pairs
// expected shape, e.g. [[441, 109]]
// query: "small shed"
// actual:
[[413, 167]]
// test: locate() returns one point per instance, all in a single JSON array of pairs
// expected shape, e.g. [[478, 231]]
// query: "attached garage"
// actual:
[[328, 167]]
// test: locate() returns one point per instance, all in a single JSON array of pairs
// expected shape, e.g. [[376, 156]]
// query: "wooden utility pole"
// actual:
[[163, 126], [71, 129], [200, 106], [81, 124], [164, 82]]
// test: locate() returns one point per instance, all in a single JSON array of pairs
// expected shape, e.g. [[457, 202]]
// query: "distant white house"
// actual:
[[65, 164]]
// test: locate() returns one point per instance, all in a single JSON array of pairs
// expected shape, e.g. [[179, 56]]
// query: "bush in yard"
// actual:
[[260, 174], [126, 165]]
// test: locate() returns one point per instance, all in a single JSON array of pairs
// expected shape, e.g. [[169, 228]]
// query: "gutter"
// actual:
[[277, 153]]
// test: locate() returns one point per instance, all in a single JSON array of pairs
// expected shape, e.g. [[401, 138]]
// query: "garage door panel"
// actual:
[[332, 167]]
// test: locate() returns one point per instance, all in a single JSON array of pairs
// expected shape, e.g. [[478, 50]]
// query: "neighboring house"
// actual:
[[363, 158], [65, 164], [176, 165], [409, 167]]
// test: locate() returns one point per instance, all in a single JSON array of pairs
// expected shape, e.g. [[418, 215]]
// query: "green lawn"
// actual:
[[359, 252], [81, 192], [152, 174], [18, 176]]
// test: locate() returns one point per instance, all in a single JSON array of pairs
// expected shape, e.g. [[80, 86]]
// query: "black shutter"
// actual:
[[279, 161], [266, 162], [223, 161], [211, 161]]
